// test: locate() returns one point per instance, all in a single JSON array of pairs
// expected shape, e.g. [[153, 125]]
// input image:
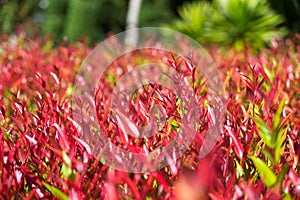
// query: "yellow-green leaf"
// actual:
[[56, 192], [264, 132], [66, 171], [280, 139], [267, 175], [66, 158], [277, 115]]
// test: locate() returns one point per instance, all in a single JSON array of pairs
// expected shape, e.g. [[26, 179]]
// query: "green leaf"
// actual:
[[287, 196], [267, 175], [102, 160], [66, 158], [277, 115], [66, 171], [56, 192], [239, 170], [283, 172], [264, 132], [280, 138], [268, 155]]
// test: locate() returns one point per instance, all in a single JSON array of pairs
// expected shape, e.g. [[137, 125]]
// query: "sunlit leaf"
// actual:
[[267, 175], [66, 171], [277, 115], [264, 132], [281, 135], [56, 192]]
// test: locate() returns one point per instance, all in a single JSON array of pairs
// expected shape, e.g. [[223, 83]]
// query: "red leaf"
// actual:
[[236, 142]]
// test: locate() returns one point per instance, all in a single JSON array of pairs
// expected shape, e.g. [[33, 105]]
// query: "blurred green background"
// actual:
[[75, 18], [220, 21]]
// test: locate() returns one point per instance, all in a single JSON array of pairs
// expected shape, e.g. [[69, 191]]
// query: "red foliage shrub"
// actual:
[[41, 155]]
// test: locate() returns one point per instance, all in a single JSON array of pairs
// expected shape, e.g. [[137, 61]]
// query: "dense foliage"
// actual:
[[60, 18], [230, 22], [257, 154], [94, 19], [291, 12], [15, 12]]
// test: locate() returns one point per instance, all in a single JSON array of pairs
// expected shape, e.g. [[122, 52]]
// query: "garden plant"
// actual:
[[70, 130], [43, 156]]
